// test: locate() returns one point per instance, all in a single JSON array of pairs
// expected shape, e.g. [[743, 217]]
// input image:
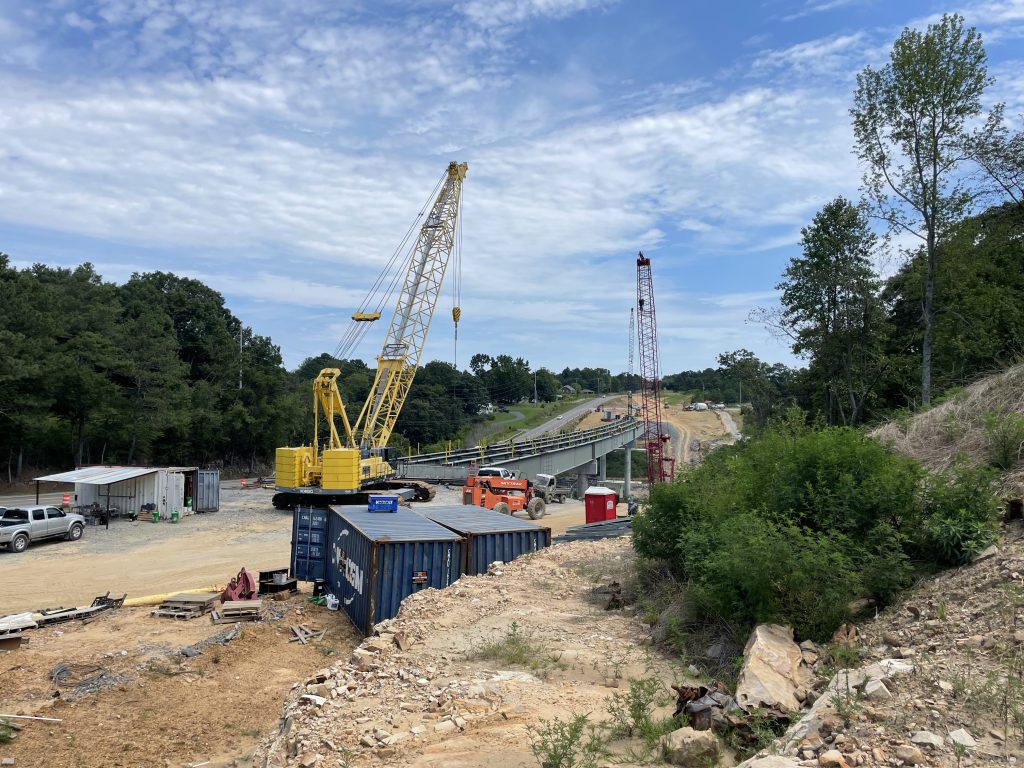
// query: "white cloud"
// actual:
[[812, 7], [834, 54], [496, 14], [280, 151]]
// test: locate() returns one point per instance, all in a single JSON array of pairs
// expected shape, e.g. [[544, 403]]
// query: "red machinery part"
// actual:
[[241, 587]]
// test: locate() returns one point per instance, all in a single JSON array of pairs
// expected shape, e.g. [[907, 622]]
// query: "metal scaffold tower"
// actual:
[[660, 466]]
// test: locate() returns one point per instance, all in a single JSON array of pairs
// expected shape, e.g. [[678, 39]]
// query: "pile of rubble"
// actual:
[[377, 700], [941, 680], [418, 683]]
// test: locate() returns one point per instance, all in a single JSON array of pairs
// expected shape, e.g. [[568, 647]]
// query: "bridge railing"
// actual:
[[511, 449]]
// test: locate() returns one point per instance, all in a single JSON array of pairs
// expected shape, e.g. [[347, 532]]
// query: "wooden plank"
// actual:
[[217, 618], [17, 621], [202, 598], [235, 606]]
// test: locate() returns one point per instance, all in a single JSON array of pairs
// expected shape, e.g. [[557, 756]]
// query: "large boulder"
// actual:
[[773, 676], [689, 747]]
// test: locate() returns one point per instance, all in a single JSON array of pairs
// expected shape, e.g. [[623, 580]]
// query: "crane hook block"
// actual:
[[456, 314], [365, 317]]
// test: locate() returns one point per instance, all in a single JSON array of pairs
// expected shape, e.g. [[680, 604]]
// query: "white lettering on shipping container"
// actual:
[[353, 573]]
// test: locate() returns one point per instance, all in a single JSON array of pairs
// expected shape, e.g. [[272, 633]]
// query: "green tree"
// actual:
[[1000, 154], [152, 377], [765, 386], [978, 323], [911, 121], [831, 309]]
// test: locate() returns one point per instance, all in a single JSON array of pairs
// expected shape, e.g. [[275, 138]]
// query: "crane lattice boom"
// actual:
[[397, 363], [660, 467]]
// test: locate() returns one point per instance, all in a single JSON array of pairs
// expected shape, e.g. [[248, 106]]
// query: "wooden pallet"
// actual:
[[237, 610], [186, 606]]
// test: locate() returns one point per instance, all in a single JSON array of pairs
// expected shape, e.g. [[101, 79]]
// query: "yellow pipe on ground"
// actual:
[[157, 599]]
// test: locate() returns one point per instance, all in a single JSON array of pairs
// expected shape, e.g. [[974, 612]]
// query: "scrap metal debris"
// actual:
[[708, 707], [83, 679], [221, 638]]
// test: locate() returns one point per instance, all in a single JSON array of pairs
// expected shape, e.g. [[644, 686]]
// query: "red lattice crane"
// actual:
[[660, 465]]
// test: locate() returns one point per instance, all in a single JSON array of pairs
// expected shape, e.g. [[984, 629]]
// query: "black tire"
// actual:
[[19, 543], [75, 532], [535, 509], [502, 508]]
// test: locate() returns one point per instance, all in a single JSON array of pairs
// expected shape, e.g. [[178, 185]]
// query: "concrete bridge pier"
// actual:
[[583, 473], [602, 468]]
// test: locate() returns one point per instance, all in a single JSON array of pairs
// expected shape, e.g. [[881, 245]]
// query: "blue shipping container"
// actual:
[[375, 561], [309, 544], [382, 503], [490, 536]]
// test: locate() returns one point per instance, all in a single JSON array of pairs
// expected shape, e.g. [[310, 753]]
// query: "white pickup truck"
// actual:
[[20, 526]]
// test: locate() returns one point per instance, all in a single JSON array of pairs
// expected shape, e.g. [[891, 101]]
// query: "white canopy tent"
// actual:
[[129, 489]]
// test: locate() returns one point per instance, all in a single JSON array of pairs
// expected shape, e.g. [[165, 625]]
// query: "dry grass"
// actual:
[[956, 429]]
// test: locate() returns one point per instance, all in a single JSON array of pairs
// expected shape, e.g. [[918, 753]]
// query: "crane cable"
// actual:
[[356, 331], [457, 276]]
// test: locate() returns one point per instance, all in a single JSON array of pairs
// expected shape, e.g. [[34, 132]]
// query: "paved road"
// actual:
[[557, 423], [21, 499]]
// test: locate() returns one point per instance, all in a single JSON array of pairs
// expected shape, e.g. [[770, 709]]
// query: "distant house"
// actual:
[[486, 410], [567, 390], [586, 391]]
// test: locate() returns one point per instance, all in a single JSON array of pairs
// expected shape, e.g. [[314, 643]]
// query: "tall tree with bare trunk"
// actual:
[[913, 122]]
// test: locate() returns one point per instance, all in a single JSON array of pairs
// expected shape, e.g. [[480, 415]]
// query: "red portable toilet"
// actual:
[[600, 504]]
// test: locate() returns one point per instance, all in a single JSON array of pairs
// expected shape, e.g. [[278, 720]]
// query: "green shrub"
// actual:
[[762, 571], [1006, 438], [574, 743], [795, 523], [631, 712], [961, 515]]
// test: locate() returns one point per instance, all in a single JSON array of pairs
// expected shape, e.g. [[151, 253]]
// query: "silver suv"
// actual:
[[19, 526]]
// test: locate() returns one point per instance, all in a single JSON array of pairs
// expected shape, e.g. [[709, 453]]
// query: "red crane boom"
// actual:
[[660, 467]]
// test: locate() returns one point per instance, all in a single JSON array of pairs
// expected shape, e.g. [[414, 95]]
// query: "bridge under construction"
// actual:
[[584, 452]]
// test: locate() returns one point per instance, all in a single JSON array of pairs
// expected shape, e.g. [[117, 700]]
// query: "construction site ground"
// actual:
[[683, 426], [143, 558], [441, 699], [144, 703]]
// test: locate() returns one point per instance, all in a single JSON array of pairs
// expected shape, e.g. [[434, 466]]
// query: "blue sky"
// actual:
[[279, 149]]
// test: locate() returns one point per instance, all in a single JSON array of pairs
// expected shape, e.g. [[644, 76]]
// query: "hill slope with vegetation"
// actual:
[[980, 426]]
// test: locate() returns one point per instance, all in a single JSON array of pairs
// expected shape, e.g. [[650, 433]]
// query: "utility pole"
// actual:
[[535, 400], [240, 329]]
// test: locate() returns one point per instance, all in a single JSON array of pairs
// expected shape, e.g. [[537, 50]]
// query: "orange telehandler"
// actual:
[[506, 495]]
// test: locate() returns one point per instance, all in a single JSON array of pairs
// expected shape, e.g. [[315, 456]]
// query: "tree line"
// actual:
[[159, 371]]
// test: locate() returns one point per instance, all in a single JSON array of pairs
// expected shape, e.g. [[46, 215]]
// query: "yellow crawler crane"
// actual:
[[357, 459]]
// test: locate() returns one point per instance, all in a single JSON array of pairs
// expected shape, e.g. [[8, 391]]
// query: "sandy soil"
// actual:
[[692, 425], [160, 708], [163, 709], [593, 418], [145, 558]]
